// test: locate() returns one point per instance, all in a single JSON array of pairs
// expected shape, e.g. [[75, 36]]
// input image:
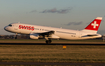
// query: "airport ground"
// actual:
[[36, 52], [42, 41]]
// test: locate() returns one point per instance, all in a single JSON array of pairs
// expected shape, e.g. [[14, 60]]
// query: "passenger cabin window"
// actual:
[[10, 25]]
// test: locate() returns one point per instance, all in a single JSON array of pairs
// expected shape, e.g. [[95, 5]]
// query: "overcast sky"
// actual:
[[69, 14]]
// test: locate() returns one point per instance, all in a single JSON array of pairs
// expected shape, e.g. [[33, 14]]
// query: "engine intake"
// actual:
[[34, 36]]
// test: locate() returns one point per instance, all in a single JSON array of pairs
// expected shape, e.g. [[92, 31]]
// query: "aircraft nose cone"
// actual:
[[5, 28]]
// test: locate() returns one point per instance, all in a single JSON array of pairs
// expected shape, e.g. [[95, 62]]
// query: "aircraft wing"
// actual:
[[49, 34]]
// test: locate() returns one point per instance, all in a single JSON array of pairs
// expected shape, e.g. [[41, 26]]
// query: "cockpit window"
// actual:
[[9, 25]]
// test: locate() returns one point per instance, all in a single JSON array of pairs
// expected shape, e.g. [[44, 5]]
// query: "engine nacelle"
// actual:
[[34, 36]]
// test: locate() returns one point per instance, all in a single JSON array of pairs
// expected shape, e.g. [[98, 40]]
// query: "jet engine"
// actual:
[[34, 36]]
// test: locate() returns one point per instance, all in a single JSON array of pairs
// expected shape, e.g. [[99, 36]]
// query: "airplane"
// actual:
[[48, 33]]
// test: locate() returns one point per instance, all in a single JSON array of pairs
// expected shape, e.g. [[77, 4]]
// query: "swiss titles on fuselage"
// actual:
[[26, 27]]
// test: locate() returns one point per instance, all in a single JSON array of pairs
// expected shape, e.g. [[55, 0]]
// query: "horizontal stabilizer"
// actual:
[[91, 35]]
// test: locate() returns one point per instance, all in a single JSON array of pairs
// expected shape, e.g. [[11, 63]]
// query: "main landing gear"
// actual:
[[48, 41]]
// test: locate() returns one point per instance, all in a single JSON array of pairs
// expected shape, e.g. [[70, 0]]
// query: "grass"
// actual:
[[52, 53]]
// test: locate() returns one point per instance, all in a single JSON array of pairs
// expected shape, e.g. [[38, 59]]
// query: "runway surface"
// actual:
[[53, 42], [49, 44], [57, 63]]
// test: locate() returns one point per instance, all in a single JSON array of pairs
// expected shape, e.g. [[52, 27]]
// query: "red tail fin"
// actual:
[[94, 25]]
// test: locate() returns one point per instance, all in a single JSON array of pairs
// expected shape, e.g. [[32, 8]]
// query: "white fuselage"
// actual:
[[61, 33]]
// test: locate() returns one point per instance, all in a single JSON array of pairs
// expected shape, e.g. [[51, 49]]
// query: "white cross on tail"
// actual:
[[94, 24]]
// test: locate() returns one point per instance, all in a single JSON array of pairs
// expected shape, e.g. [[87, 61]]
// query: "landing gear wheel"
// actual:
[[48, 41], [16, 37]]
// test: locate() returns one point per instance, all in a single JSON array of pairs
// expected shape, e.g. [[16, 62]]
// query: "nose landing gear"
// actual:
[[16, 36]]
